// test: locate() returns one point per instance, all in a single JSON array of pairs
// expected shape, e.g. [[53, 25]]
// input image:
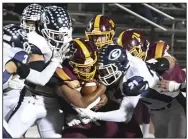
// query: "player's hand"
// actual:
[[102, 102], [73, 84], [64, 51], [72, 120], [87, 113], [170, 86], [57, 57], [16, 83], [85, 120]]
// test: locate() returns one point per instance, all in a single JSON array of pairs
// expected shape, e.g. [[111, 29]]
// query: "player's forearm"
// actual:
[[72, 96], [41, 78], [124, 113], [120, 115]]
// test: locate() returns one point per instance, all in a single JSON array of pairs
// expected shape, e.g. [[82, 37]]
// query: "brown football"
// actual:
[[88, 88]]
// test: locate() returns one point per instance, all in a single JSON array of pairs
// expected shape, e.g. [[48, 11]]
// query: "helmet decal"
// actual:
[[114, 54]]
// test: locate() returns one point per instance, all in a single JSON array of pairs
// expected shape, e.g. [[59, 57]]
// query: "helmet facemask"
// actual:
[[89, 63], [28, 25], [136, 48], [94, 35], [109, 74], [57, 39], [138, 52], [30, 17]]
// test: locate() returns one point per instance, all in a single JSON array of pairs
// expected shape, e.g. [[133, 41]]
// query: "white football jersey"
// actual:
[[137, 74], [41, 44], [8, 54]]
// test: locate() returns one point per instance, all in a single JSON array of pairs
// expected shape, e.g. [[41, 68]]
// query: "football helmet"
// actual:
[[16, 36], [56, 26], [31, 16], [100, 26], [83, 54], [112, 64], [134, 42]]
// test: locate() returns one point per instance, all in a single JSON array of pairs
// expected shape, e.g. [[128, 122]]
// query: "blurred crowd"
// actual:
[[13, 11]]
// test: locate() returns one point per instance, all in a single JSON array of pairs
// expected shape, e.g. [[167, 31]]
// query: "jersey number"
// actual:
[[25, 59], [135, 86], [136, 36]]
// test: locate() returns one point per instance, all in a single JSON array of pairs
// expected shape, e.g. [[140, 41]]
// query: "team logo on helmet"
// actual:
[[114, 54]]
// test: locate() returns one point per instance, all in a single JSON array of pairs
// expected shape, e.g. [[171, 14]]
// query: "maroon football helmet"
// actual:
[[83, 54], [100, 26], [134, 42]]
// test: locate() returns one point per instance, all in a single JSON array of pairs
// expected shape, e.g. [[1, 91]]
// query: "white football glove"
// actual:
[[85, 120], [72, 120], [56, 57], [16, 83], [87, 113], [64, 49]]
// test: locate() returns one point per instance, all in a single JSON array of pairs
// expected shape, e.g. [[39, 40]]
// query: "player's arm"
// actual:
[[43, 77], [172, 86], [74, 97], [34, 76], [18, 65], [123, 114]]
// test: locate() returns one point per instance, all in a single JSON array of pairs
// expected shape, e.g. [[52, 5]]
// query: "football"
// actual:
[[88, 88]]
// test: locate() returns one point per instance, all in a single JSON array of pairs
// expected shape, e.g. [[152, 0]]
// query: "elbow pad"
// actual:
[[23, 70], [160, 66], [37, 65]]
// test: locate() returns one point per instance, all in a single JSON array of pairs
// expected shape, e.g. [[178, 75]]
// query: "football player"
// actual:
[[157, 52], [101, 30], [16, 52], [41, 101], [81, 66], [16, 49]]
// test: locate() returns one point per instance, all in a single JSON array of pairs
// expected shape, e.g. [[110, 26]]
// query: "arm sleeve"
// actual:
[[124, 113], [41, 78]]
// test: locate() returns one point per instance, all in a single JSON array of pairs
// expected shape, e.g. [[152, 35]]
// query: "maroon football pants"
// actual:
[[105, 130]]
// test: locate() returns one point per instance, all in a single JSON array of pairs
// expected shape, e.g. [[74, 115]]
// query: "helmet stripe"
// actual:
[[83, 47], [119, 40], [97, 22], [159, 49]]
